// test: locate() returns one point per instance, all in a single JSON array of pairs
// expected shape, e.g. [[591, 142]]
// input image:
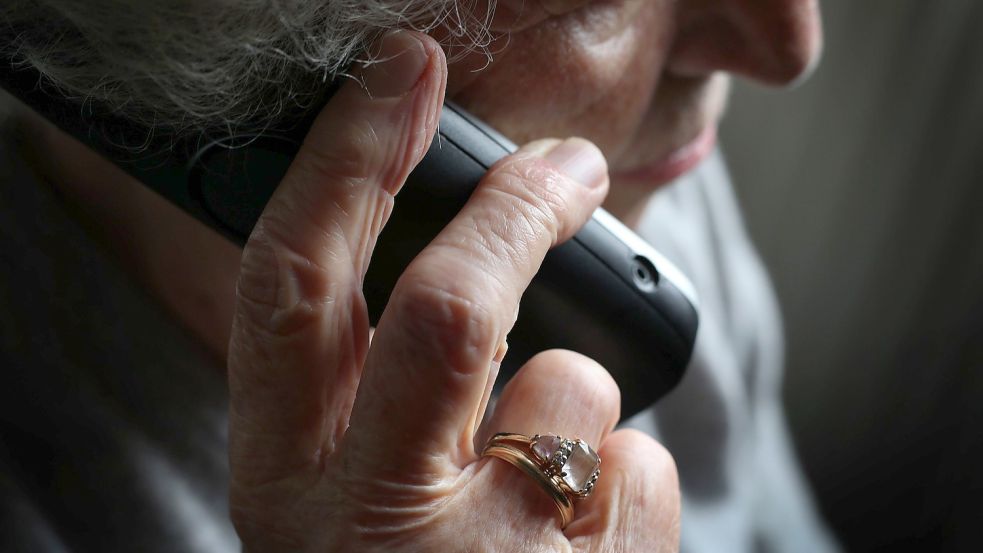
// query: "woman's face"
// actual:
[[644, 79]]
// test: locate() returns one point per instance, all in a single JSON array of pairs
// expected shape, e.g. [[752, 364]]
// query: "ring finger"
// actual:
[[560, 393]]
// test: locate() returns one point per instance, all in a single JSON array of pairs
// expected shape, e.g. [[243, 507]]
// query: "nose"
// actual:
[[771, 41]]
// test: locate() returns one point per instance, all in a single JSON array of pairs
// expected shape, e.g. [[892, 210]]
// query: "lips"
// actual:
[[674, 164]]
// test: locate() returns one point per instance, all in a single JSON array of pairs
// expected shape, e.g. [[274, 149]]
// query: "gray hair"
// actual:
[[220, 65]]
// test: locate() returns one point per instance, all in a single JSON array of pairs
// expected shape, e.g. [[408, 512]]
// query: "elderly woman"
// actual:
[[339, 441]]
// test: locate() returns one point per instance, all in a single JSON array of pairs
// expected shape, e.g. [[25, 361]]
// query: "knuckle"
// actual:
[[448, 319], [350, 154], [256, 283], [536, 193], [280, 291]]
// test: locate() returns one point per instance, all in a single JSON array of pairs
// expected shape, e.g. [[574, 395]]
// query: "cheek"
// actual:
[[590, 74]]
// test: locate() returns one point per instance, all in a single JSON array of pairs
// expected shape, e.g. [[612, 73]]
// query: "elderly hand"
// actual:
[[339, 445]]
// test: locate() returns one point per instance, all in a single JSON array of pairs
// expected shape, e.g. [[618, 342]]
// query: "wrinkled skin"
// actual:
[[337, 445]]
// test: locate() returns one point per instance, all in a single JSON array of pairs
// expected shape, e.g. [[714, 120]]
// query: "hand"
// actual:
[[339, 445]]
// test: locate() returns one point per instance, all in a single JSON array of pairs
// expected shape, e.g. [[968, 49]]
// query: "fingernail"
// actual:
[[397, 63], [581, 160]]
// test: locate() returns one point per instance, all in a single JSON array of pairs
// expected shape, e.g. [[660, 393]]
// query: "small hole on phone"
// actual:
[[645, 274]]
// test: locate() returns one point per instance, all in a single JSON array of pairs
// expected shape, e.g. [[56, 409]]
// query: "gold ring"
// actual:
[[565, 469]]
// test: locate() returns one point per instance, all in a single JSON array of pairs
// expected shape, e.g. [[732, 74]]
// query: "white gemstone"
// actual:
[[580, 466], [545, 446]]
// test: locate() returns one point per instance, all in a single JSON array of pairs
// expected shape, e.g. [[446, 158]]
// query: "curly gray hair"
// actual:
[[222, 65]]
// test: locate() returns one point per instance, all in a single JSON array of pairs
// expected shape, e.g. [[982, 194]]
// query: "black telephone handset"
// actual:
[[605, 293]]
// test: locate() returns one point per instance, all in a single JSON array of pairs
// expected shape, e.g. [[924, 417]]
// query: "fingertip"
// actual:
[[362, 146], [635, 448], [579, 161], [399, 62], [538, 148], [637, 496], [582, 161], [641, 471], [575, 157], [397, 86], [395, 64], [554, 185]]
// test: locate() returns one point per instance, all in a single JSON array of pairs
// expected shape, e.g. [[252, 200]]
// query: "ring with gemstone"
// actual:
[[565, 468]]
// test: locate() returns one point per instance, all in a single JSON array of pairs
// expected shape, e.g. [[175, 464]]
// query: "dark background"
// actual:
[[864, 190]]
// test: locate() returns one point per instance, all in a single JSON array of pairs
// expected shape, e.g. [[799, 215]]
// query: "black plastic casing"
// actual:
[[586, 297], [605, 293]]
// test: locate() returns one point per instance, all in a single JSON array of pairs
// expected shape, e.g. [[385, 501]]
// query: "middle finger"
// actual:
[[428, 366]]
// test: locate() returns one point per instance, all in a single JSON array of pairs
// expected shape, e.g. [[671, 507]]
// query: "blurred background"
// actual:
[[863, 189]]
